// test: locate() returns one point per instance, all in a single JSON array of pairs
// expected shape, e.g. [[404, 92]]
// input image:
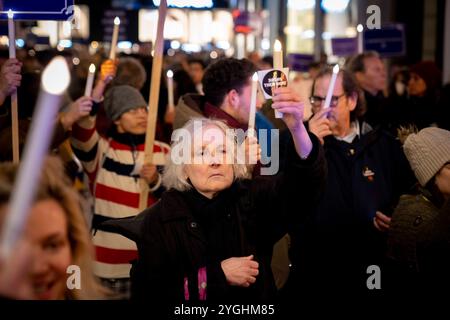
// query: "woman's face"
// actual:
[[443, 181], [47, 233], [209, 172], [416, 85]]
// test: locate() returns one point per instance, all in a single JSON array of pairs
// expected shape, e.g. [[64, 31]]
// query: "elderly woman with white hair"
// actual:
[[211, 235]]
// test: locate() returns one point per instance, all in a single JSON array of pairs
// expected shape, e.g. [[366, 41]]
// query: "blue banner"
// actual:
[[299, 62], [37, 10], [389, 41], [344, 47]]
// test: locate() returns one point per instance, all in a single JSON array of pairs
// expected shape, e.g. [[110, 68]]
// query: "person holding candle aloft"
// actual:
[[211, 235], [367, 172], [114, 166]]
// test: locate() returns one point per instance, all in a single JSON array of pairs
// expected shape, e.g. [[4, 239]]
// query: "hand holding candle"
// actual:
[[251, 118], [331, 86], [90, 81], [55, 79], [115, 37]]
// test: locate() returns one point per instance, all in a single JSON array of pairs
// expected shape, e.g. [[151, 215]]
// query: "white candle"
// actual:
[[115, 37], [360, 29], [277, 55], [14, 102], [11, 35], [331, 86], [170, 88], [251, 118], [278, 65], [55, 79], [90, 81]]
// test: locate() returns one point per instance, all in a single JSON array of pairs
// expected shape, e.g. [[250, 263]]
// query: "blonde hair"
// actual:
[[174, 176], [55, 185]]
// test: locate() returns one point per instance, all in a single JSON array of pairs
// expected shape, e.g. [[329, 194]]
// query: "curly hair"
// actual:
[[225, 75]]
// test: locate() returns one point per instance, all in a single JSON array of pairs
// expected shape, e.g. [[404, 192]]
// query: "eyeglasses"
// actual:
[[316, 101]]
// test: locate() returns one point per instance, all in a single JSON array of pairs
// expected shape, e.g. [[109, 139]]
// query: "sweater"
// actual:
[[112, 165]]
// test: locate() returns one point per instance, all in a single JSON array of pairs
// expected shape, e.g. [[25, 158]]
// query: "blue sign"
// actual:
[[299, 62], [37, 10], [388, 41], [344, 47]]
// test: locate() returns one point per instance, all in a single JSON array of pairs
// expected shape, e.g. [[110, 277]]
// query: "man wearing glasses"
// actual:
[[367, 172]]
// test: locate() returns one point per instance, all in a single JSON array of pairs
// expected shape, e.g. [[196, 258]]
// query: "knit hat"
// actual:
[[430, 73], [120, 99], [427, 152]]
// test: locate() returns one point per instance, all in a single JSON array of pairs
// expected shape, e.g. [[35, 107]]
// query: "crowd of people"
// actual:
[[365, 182]]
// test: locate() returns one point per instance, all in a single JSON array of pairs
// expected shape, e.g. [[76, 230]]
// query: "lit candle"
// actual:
[[170, 88], [14, 102], [55, 79], [11, 34], [360, 29], [115, 37], [278, 65], [90, 80], [277, 55], [251, 118], [331, 86]]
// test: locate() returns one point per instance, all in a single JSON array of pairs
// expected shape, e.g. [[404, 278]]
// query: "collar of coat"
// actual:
[[175, 205]]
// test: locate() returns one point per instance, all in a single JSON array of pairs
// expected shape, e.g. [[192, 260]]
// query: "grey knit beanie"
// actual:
[[120, 99], [427, 152]]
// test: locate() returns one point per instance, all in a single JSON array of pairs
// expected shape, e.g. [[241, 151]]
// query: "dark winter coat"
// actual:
[[184, 237], [419, 245], [333, 249]]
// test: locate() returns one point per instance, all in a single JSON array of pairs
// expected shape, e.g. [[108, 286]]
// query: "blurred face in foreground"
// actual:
[[47, 233], [210, 173]]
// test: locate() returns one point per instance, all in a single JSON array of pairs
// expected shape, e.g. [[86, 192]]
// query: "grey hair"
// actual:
[[174, 176], [356, 63]]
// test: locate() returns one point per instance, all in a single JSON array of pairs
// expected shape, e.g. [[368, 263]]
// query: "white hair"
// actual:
[[174, 176]]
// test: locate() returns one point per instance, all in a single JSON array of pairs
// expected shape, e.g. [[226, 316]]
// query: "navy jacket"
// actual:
[[335, 247]]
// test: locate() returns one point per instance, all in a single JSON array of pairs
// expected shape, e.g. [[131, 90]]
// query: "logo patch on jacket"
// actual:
[[368, 174]]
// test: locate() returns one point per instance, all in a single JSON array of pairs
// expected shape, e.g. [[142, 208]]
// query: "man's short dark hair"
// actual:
[[356, 64], [225, 75]]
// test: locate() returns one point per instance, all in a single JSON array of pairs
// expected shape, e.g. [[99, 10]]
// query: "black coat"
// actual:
[[333, 249], [185, 232]]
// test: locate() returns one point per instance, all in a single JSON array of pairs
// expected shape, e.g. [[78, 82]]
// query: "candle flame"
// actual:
[[277, 45], [10, 14], [360, 28], [336, 68], [92, 68], [116, 20], [56, 76], [255, 77], [169, 74]]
